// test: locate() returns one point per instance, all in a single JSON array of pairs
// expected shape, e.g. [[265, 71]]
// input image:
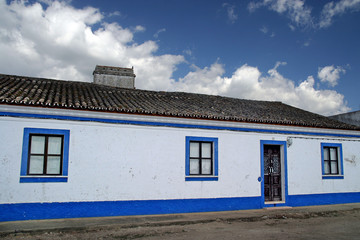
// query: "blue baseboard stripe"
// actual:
[[32, 211], [323, 199]]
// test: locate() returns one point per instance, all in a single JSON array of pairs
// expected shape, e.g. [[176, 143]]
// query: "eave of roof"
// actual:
[[40, 92]]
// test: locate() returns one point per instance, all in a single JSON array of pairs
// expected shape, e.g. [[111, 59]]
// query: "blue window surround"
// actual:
[[213, 177], [341, 168], [24, 178]]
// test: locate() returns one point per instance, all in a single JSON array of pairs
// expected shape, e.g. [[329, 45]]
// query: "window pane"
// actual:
[[334, 167], [206, 150], [54, 145], [326, 153], [194, 166], [37, 144], [36, 165], [206, 166], [194, 149], [53, 165], [333, 154], [326, 167]]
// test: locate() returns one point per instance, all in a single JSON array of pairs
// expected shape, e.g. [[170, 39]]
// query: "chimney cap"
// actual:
[[118, 71]]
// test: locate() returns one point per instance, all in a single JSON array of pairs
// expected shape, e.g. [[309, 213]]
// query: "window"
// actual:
[[45, 155], [331, 155], [201, 159]]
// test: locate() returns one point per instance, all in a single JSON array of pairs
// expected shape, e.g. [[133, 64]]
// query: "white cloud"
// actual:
[[300, 14], [326, 102], [207, 80], [253, 6], [139, 28], [67, 44], [232, 16], [188, 52], [115, 13], [330, 74], [292, 27], [332, 9], [249, 83], [264, 30], [296, 10], [54, 39], [156, 35]]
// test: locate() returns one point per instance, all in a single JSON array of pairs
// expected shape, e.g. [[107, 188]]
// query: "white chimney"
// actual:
[[114, 76]]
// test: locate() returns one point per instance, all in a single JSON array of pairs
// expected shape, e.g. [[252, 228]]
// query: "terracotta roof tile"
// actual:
[[20, 90]]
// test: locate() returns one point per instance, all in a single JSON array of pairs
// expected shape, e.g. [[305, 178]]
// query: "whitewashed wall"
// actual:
[[111, 162], [305, 170]]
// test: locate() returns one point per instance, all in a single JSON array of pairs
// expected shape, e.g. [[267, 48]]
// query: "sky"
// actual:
[[302, 53]]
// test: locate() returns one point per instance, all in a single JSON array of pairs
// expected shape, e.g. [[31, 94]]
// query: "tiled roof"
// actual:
[[29, 91]]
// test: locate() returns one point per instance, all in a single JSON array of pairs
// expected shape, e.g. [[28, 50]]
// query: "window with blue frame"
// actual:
[[332, 161], [201, 159], [45, 155]]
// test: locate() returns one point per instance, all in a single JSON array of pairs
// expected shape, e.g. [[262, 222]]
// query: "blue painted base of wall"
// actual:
[[31, 211], [323, 199]]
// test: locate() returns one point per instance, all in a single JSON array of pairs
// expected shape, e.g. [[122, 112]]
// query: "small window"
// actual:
[[201, 159], [45, 155], [332, 167]]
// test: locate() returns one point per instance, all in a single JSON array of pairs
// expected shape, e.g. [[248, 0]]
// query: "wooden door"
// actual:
[[272, 173]]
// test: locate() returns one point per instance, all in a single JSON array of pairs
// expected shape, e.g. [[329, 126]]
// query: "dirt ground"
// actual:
[[331, 225]]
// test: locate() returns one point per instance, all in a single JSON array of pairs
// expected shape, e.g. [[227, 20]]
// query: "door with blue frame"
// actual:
[[272, 173]]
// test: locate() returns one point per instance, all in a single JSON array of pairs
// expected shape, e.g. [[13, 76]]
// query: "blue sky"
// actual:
[[303, 53]]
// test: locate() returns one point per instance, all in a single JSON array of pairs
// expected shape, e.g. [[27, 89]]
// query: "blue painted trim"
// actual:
[[332, 177], [25, 151], [31, 211], [328, 176], [42, 179], [285, 170], [187, 158], [149, 123], [201, 178], [323, 199]]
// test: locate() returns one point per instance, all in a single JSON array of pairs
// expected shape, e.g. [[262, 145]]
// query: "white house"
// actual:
[[75, 149]]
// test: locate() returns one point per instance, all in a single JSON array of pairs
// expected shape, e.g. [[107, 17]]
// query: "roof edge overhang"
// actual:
[[174, 115], [169, 121]]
